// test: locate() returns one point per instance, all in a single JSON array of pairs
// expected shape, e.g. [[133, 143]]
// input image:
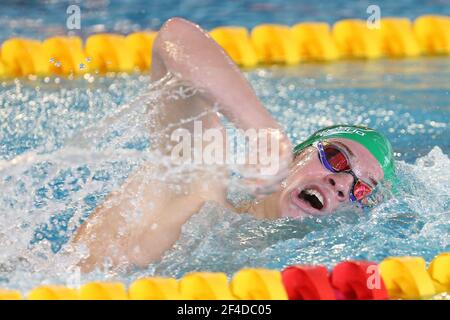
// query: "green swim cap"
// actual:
[[377, 144]]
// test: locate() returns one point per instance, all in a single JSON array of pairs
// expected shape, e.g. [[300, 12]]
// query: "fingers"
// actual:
[[260, 184]]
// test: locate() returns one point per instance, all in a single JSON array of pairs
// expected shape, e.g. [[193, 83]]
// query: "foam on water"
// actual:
[[65, 146]]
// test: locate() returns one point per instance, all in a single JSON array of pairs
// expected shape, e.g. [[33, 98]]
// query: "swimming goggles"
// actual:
[[336, 160]]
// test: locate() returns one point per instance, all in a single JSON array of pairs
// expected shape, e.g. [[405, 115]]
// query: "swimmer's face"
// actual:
[[311, 189]]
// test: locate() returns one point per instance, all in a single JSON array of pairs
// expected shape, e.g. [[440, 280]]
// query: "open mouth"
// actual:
[[313, 197], [310, 199]]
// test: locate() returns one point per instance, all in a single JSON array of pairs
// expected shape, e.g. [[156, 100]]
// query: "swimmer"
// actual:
[[336, 165]]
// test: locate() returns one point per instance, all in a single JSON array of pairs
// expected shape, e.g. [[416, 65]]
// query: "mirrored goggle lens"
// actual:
[[336, 158], [361, 190]]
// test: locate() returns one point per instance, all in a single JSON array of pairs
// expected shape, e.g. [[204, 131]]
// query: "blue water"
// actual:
[[41, 18], [65, 144]]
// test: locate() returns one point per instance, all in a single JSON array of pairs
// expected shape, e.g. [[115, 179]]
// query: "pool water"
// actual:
[[42, 18], [65, 144]]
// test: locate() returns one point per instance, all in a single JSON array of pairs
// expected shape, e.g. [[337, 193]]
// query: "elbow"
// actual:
[[176, 24], [175, 29]]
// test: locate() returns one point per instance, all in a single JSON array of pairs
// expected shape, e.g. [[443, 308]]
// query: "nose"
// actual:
[[341, 184]]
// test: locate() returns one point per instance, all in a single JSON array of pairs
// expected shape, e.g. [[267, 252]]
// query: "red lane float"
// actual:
[[307, 283], [358, 280]]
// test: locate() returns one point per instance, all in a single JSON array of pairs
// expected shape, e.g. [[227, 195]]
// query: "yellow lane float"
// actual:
[[53, 293], [355, 40], [398, 38], [154, 289], [315, 42], [22, 57], [258, 284], [433, 34], [10, 295], [439, 271], [275, 44], [205, 286], [265, 44], [103, 291], [2, 68], [406, 278], [109, 53], [237, 44], [140, 45], [66, 55]]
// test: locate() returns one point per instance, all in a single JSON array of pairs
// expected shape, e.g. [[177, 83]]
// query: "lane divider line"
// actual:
[[265, 44], [393, 278]]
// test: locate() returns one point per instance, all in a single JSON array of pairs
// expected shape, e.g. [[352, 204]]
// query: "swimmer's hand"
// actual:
[[184, 49], [274, 157]]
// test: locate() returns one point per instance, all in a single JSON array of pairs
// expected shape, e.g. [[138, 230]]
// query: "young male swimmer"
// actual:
[[334, 166]]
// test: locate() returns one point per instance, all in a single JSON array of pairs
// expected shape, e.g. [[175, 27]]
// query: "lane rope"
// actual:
[[393, 278], [265, 44]]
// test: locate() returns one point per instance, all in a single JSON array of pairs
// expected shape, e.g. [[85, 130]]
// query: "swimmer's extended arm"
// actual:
[[183, 48], [143, 219]]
